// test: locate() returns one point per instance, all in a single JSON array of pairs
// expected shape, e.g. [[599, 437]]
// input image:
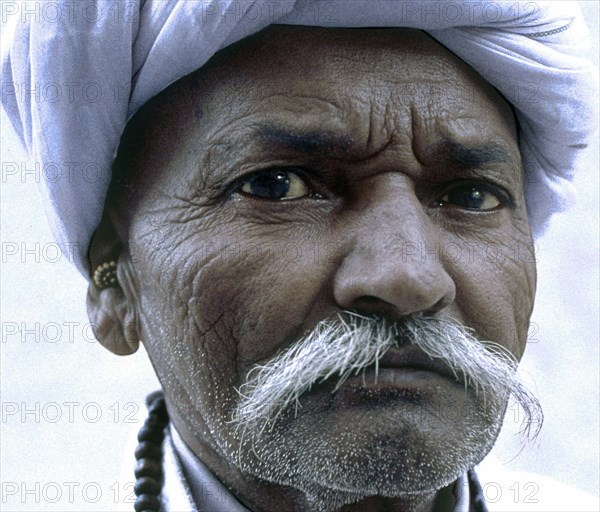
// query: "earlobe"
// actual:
[[113, 319]]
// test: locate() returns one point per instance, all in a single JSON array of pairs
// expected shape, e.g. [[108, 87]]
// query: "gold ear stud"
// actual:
[[105, 275]]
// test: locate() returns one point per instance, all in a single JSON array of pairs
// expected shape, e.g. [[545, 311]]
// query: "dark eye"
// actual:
[[275, 184], [472, 197]]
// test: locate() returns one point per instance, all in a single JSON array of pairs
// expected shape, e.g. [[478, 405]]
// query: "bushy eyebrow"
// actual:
[[303, 141], [472, 155]]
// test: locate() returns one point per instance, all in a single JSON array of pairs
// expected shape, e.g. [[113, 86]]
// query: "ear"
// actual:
[[113, 310], [113, 319]]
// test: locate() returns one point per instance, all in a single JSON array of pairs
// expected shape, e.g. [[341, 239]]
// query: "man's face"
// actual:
[[313, 171]]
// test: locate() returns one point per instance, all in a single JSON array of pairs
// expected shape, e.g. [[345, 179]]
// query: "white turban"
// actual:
[[74, 72]]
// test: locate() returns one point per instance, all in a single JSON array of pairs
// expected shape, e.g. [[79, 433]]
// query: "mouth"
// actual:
[[411, 359], [406, 373]]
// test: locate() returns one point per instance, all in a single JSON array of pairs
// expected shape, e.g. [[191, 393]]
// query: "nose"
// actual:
[[392, 265]]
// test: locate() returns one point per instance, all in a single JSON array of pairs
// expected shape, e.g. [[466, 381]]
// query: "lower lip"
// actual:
[[389, 384], [392, 377]]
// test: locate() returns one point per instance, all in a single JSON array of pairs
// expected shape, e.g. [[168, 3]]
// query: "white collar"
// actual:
[[175, 495], [189, 484]]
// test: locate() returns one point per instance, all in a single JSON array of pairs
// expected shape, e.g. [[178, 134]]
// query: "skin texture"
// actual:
[[381, 126]]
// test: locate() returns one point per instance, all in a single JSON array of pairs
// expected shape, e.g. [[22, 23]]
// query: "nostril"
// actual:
[[370, 299], [439, 305], [372, 304]]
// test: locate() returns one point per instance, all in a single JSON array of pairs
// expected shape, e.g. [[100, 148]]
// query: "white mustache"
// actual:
[[352, 342]]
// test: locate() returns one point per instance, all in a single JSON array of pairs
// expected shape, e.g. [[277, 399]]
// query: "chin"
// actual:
[[341, 455]]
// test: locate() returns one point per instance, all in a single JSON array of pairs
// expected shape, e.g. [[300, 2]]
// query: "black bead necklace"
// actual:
[[149, 453]]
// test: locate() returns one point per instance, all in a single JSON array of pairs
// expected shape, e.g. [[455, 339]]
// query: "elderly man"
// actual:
[[299, 232]]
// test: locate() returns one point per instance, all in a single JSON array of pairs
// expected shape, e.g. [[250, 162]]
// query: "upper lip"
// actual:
[[411, 356]]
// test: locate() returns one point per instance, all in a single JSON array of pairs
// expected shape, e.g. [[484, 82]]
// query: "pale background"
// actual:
[[69, 406]]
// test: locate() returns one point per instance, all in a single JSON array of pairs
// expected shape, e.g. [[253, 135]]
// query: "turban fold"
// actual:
[[74, 72]]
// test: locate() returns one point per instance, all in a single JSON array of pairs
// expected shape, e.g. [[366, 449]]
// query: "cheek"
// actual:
[[211, 310], [262, 294], [495, 285], [183, 321]]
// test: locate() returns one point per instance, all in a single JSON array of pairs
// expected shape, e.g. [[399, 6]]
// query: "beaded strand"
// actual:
[[149, 453]]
